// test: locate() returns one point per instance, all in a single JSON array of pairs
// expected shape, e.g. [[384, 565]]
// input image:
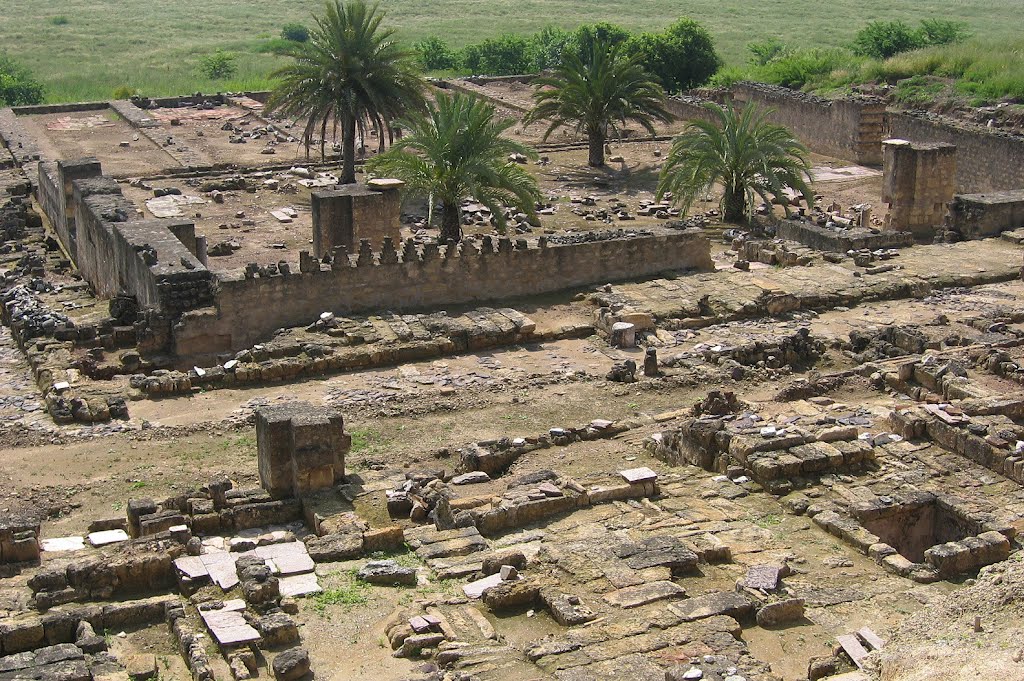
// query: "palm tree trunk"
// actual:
[[451, 222], [348, 150], [735, 202], [595, 138]]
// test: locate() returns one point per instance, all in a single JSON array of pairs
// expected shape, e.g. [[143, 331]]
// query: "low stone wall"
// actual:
[[986, 160], [249, 309], [840, 241], [780, 461], [977, 216]]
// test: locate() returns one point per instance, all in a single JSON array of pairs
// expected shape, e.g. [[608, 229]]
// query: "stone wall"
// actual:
[[848, 127], [117, 254], [918, 183], [249, 309], [347, 214], [987, 160], [977, 216], [839, 241]]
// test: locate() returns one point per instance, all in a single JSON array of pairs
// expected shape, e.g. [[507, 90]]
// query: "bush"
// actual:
[[505, 55], [883, 39], [941, 32], [297, 33], [547, 46], [435, 54], [766, 51], [60, 20], [17, 86], [801, 67], [218, 65], [125, 92], [680, 57], [728, 77], [583, 37]]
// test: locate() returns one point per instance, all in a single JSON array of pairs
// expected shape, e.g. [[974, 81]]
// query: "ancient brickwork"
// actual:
[[918, 183], [976, 216], [345, 215], [301, 448], [250, 308], [987, 160]]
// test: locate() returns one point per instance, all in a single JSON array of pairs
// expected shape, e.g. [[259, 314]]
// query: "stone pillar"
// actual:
[[347, 214], [918, 181], [301, 448]]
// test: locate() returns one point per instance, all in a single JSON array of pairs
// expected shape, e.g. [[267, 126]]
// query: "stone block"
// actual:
[[301, 448]]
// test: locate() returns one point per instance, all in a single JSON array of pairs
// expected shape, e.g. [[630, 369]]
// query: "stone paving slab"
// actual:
[[299, 585], [105, 537], [635, 596]]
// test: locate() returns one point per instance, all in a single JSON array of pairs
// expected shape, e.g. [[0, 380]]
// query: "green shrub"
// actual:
[[583, 37], [728, 77], [680, 57], [435, 54], [218, 66], [297, 33], [941, 32], [883, 39], [60, 20], [766, 51], [505, 55], [801, 67], [547, 46], [17, 86], [125, 92]]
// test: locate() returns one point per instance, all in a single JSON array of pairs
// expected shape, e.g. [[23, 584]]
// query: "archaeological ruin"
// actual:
[[259, 424]]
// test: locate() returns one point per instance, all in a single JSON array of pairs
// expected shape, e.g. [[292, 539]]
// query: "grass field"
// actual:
[[85, 49]]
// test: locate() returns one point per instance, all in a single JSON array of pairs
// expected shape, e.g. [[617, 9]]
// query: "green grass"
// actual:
[[92, 47], [346, 593]]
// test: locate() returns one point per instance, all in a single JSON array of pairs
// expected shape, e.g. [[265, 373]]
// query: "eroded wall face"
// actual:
[[249, 309], [918, 183]]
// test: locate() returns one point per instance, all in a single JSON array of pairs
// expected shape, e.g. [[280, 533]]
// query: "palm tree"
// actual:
[[597, 91], [744, 153], [457, 151], [350, 73]]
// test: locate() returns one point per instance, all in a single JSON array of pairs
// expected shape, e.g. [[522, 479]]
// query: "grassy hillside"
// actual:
[[85, 49]]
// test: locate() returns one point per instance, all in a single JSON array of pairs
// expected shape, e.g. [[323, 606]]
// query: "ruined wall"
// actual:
[[986, 160], [118, 254], [977, 216], [347, 214], [849, 127], [917, 184], [250, 309]]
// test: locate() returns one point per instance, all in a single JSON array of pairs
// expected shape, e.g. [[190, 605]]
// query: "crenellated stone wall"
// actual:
[[250, 307]]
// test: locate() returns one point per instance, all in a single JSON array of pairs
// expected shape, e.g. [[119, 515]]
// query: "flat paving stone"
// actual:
[[105, 537], [635, 596], [192, 567], [299, 585], [228, 627], [476, 589], [638, 475], [58, 544]]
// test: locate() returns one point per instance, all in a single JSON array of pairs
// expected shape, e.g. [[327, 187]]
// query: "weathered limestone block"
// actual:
[[780, 612], [728, 603], [301, 448]]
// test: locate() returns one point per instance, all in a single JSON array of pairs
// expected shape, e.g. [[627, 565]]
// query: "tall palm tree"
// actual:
[[744, 153], [457, 151], [597, 91], [350, 73]]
